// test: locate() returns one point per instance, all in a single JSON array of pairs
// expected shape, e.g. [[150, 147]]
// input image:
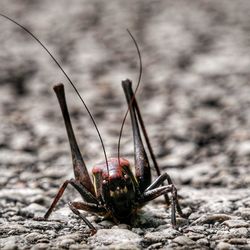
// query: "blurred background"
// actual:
[[194, 95]]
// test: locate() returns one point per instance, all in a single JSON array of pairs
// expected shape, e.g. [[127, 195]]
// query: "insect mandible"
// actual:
[[115, 191]]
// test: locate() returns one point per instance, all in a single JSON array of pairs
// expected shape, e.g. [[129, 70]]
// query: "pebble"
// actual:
[[9, 243], [116, 238], [12, 229], [212, 218], [183, 240], [203, 242], [238, 241], [122, 226], [238, 232], [40, 246], [65, 243], [79, 247], [195, 236], [43, 225], [244, 213], [163, 235], [235, 223], [224, 246], [33, 237]]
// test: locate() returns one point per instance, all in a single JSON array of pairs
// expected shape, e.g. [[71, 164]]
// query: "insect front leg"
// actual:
[[159, 181], [86, 195], [152, 193], [90, 207]]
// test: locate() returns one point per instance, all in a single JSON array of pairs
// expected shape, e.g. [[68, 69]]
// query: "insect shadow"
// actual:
[[115, 192]]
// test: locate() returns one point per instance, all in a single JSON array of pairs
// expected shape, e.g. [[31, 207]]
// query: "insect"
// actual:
[[115, 191]]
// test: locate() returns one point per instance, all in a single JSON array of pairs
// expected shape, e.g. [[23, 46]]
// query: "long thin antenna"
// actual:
[[65, 74], [132, 99]]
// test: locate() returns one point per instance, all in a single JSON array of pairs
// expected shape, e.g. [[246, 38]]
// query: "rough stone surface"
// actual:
[[194, 98]]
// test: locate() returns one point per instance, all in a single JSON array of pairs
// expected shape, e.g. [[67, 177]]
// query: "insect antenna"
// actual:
[[66, 75], [132, 99]]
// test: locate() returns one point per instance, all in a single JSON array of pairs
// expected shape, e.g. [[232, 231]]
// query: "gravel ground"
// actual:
[[194, 98]]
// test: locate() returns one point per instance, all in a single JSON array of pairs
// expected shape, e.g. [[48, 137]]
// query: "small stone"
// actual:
[[224, 246], [155, 246], [244, 213], [122, 226], [40, 246], [196, 229], [163, 235], [79, 247], [106, 224], [212, 218], [66, 243], [33, 237], [203, 242], [235, 223], [116, 238], [238, 232], [33, 209], [238, 241], [9, 243], [183, 240], [12, 229], [195, 236], [138, 230]]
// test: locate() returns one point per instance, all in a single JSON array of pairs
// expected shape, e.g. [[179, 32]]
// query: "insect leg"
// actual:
[[159, 181], [76, 211], [142, 125], [80, 170], [81, 189], [142, 168], [157, 191]]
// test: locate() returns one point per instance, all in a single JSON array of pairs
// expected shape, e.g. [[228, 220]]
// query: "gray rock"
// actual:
[[40, 246], [33, 237], [238, 232], [244, 212], [65, 243], [224, 246], [34, 209], [13, 228], [235, 223], [183, 240], [163, 235], [116, 238], [238, 241], [212, 218], [9, 243], [203, 242]]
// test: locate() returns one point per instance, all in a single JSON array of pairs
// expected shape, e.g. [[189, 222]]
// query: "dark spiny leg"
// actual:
[[82, 190], [80, 170], [156, 192], [159, 181], [127, 85], [90, 207], [75, 211], [142, 168]]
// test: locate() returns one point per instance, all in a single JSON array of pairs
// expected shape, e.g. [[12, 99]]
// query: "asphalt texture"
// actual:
[[194, 98]]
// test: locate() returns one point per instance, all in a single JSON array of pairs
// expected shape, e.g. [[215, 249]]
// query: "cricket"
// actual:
[[115, 189]]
